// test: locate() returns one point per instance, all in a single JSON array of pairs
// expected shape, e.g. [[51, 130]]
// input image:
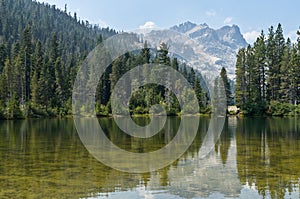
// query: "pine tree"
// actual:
[[13, 109], [297, 69], [294, 71], [19, 78], [240, 93], [191, 77], [3, 56], [286, 74], [3, 19], [60, 97], [257, 68], [162, 55], [271, 60], [199, 92], [51, 71], [26, 53], [175, 63], [250, 71], [260, 62], [275, 49], [280, 46], [116, 72], [5, 82], [146, 54], [226, 84], [104, 88], [37, 70], [43, 88]]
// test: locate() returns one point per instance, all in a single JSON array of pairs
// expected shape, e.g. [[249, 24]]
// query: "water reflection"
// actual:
[[253, 158], [268, 155]]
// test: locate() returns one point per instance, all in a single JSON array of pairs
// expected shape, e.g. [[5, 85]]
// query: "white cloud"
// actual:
[[99, 22], [148, 25], [211, 13], [292, 35], [228, 20], [146, 28], [102, 23], [251, 36]]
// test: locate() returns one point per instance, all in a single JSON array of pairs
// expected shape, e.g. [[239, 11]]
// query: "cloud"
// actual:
[[211, 13], [228, 20], [99, 22], [251, 36], [292, 35], [102, 23], [148, 25]]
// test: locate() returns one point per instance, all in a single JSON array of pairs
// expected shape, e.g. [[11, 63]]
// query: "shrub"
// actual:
[[139, 110], [281, 109], [254, 108]]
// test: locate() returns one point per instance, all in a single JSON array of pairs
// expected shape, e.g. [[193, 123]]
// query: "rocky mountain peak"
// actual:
[[184, 27], [222, 43]]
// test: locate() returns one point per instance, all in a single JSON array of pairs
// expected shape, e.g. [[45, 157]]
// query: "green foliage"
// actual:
[[268, 73], [37, 111], [206, 110], [2, 111], [281, 109], [162, 55], [226, 83], [140, 110], [40, 50], [101, 110], [13, 110], [254, 109], [240, 93]]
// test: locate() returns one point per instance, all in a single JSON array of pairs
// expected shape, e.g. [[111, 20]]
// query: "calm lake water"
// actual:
[[253, 158]]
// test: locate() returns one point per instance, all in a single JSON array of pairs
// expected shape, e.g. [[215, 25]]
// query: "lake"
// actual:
[[253, 158]]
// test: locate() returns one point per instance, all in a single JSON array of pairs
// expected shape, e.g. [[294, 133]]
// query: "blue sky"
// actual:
[[250, 16]]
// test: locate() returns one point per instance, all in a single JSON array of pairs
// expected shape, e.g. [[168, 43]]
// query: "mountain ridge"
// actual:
[[222, 43]]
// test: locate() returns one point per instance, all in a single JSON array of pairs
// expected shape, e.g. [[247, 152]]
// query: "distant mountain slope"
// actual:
[[76, 36], [221, 44]]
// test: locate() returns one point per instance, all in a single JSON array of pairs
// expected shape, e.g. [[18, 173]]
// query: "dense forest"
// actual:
[[268, 75], [41, 49], [148, 95]]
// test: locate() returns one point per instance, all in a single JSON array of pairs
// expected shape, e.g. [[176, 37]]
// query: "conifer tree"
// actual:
[[240, 93], [286, 74], [26, 53], [271, 61], [37, 70], [226, 84], [162, 55], [51, 73], [260, 62], [3, 56], [175, 63], [199, 92]]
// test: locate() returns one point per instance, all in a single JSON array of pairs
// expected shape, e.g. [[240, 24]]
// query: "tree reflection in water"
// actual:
[[45, 158]]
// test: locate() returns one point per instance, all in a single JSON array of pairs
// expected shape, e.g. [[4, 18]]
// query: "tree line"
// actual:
[[268, 75], [150, 94]]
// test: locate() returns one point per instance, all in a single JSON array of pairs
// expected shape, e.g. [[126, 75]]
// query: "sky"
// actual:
[[251, 16]]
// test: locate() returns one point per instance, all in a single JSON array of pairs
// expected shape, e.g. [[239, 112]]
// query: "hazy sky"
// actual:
[[250, 16]]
